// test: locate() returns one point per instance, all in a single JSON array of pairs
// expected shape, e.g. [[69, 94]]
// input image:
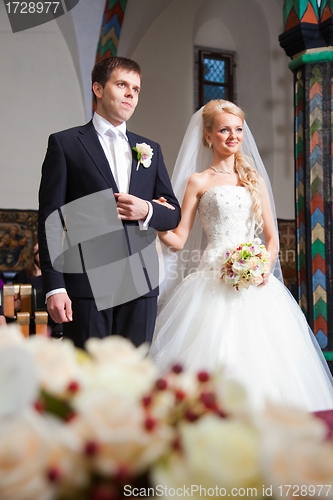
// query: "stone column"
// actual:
[[308, 40]]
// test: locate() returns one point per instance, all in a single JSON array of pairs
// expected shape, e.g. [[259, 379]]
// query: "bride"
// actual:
[[259, 334]]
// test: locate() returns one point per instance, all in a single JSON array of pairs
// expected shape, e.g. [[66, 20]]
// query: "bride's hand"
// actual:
[[265, 279], [162, 201]]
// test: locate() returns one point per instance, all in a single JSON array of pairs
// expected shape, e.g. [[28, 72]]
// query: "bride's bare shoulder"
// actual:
[[200, 177], [197, 183]]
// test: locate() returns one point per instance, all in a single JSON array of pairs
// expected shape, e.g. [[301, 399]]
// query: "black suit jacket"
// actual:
[[75, 166]]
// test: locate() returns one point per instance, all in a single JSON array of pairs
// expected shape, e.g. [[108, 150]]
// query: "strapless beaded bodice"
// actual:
[[226, 216]]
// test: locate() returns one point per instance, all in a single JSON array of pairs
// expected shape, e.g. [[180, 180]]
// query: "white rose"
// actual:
[[294, 450], [134, 381], [243, 283], [66, 458], [18, 380], [257, 280], [57, 364], [173, 473], [120, 367], [231, 396], [24, 450], [11, 335], [117, 425], [217, 452], [115, 349], [301, 463], [291, 421]]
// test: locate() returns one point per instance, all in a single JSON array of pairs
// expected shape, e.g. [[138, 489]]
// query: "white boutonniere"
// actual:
[[144, 154]]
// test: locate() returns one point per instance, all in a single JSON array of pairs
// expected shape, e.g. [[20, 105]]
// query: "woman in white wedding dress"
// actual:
[[258, 334]]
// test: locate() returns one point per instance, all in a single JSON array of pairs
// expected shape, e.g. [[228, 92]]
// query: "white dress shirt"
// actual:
[[117, 150]]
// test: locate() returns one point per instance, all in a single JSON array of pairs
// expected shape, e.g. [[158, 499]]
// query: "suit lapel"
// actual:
[[132, 139], [88, 137]]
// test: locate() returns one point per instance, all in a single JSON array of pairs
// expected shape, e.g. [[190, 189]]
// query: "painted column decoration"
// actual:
[[112, 21], [308, 41]]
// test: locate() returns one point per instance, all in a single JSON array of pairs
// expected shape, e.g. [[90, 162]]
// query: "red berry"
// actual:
[[161, 384], [208, 399], [203, 376], [177, 368], [176, 444], [39, 406], [53, 474], [146, 401], [91, 448], [103, 492], [191, 416], [73, 387], [150, 423], [180, 395], [122, 473], [70, 416]]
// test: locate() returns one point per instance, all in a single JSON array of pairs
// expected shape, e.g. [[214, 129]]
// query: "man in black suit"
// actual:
[[96, 157]]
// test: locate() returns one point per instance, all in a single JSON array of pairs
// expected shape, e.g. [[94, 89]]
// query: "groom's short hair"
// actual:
[[103, 69]]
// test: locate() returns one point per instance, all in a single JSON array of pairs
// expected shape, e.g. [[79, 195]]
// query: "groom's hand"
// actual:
[[59, 307], [131, 207]]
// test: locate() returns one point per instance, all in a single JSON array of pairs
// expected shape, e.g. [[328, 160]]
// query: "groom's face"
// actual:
[[117, 101]]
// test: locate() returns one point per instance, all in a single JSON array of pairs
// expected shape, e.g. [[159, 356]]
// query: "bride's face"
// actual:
[[227, 134]]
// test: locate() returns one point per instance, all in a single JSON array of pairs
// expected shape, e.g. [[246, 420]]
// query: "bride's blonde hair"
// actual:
[[248, 175]]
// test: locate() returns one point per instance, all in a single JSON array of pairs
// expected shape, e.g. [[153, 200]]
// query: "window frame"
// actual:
[[229, 57]]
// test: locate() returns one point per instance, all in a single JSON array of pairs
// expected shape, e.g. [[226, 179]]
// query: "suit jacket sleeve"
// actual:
[[164, 219], [52, 195]]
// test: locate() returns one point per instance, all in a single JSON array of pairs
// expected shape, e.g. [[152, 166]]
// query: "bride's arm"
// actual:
[[176, 239], [270, 229]]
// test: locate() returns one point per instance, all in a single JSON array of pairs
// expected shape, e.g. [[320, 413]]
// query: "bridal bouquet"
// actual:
[[245, 265]]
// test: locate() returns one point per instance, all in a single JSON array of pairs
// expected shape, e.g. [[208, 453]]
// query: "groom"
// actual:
[[91, 159]]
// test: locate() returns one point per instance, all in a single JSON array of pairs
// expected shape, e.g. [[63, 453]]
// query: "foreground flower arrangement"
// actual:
[[105, 424]]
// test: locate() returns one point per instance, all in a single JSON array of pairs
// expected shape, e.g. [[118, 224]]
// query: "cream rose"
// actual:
[[115, 349], [304, 464], [57, 364], [24, 450], [121, 368], [66, 458], [132, 381], [117, 425], [10, 335], [18, 381], [231, 395], [294, 451], [218, 453], [290, 421]]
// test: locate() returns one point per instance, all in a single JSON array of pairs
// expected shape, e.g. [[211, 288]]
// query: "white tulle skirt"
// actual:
[[259, 335]]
